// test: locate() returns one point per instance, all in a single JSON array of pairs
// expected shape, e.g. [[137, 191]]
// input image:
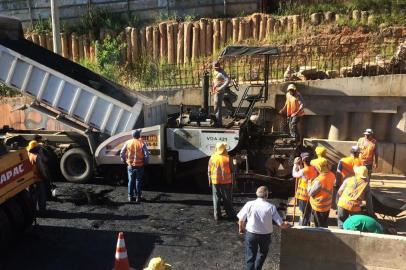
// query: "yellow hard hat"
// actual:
[[220, 148], [361, 171], [321, 151], [158, 264], [32, 145], [321, 165]]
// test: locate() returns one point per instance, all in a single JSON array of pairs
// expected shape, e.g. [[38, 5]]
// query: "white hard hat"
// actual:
[[368, 131], [292, 87]]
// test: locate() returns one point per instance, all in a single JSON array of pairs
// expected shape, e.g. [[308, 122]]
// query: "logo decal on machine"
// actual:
[[14, 173]]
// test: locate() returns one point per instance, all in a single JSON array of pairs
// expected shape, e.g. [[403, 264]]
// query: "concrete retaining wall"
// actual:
[[311, 248]]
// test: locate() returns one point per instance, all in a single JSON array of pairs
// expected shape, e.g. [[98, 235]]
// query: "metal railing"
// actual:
[[307, 62]]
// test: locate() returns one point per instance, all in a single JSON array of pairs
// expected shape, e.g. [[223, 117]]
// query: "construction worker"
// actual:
[[321, 153], [220, 174], [345, 169], [38, 190], [255, 220], [364, 223], [136, 155], [305, 175], [351, 194], [220, 84], [321, 193], [294, 108], [368, 150]]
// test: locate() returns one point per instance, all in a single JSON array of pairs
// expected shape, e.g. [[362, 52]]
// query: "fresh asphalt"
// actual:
[[80, 232]]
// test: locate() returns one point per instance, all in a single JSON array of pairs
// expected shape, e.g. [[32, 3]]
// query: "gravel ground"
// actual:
[[80, 232]]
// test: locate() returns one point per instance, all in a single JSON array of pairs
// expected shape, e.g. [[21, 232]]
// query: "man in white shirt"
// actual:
[[255, 220]]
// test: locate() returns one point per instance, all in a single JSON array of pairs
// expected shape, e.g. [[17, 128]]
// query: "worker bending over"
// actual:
[[351, 194], [136, 155], [304, 173], [294, 108], [363, 223], [255, 220], [321, 193], [220, 174]]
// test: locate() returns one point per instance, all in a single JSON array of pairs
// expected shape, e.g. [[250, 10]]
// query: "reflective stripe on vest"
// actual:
[[367, 152], [219, 167], [348, 164], [293, 105], [33, 160], [309, 173], [351, 198], [321, 202], [135, 154]]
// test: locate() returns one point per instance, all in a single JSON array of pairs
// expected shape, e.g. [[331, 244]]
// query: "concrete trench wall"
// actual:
[[333, 249]]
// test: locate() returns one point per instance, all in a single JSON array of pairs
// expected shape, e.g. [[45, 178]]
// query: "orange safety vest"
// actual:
[[293, 105], [309, 173], [348, 164], [135, 153], [351, 198], [321, 202], [219, 169], [367, 150]]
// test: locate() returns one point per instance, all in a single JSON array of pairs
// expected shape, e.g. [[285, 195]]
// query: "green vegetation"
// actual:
[[41, 26], [6, 91]]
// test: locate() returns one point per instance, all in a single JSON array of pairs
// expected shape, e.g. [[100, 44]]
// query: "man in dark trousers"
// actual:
[[135, 154], [255, 220]]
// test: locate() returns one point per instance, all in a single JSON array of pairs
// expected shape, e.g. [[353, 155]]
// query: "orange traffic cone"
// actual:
[[121, 262]]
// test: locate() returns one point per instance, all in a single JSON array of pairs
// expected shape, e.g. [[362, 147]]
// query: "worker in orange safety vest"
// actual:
[[345, 169], [294, 108], [321, 193], [136, 155], [38, 190], [220, 175], [369, 156], [305, 173], [351, 194]]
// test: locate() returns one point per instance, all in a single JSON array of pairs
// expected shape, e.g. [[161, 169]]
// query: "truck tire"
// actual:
[[76, 165], [5, 231], [27, 205], [15, 215]]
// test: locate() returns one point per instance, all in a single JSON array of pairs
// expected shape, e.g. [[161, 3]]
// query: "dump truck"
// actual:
[[101, 114], [17, 211]]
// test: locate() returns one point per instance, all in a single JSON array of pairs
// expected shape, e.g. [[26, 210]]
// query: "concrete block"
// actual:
[[398, 127], [399, 164], [311, 248], [386, 152]]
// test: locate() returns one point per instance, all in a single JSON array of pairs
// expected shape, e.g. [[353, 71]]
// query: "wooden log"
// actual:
[[50, 45], [35, 38], [229, 31], [289, 25], [187, 54], [277, 27], [135, 51], [195, 42], [202, 36], [92, 52], [163, 38], [175, 39], [122, 37], [171, 43], [64, 45], [236, 29], [241, 33], [216, 29], [69, 37], [216, 45], [297, 23], [180, 49], [143, 42], [42, 40], [86, 48], [28, 37], [75, 47], [262, 27], [148, 40], [209, 38], [270, 23], [81, 48], [128, 44], [223, 33], [256, 20], [155, 44]]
